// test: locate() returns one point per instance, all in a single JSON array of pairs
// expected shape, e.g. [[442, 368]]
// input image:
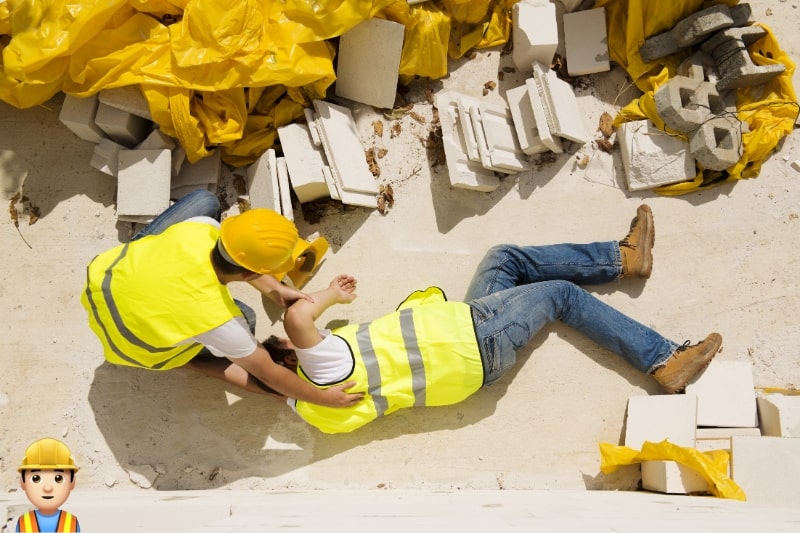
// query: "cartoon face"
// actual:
[[47, 489]]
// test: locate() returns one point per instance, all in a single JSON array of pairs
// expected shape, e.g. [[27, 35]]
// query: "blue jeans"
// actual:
[[517, 290], [199, 203]]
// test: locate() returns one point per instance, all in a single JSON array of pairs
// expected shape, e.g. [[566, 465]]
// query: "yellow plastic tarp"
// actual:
[[713, 466], [203, 65], [769, 110]]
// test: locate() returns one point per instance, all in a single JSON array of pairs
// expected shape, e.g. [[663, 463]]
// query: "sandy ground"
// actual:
[[726, 260]]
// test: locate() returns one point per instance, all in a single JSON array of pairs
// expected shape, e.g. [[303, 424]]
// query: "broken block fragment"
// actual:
[[535, 35], [652, 157], [78, 114]]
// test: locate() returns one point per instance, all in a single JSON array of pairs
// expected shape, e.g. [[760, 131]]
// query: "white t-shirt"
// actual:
[[330, 361], [233, 338]]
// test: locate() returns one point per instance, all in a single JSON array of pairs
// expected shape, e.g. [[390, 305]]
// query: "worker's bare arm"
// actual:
[[286, 382], [299, 320], [277, 291], [228, 371]]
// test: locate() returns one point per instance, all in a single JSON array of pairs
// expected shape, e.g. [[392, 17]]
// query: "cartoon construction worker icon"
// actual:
[[47, 475]]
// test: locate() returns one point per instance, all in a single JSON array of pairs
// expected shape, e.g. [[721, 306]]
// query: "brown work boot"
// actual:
[[637, 247], [686, 363]]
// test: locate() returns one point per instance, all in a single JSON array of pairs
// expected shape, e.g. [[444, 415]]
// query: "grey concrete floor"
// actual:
[[725, 260]]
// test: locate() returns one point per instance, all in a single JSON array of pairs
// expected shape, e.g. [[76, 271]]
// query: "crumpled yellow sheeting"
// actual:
[[711, 465], [769, 111], [202, 64]]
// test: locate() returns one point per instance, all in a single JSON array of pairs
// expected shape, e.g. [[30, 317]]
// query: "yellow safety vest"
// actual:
[[66, 522], [423, 354], [147, 296]]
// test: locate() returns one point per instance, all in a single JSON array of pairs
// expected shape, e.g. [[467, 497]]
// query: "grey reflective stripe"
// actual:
[[118, 321], [414, 356], [417, 366], [373, 370]]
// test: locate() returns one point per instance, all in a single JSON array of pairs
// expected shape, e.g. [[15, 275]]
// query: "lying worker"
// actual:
[[157, 301], [433, 352]]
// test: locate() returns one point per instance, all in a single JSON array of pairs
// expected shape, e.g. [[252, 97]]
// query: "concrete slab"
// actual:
[[586, 42], [726, 395], [368, 62], [767, 468], [143, 180], [304, 162]]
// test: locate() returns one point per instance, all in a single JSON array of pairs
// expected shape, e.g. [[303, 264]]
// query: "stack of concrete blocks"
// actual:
[[544, 112], [724, 33], [765, 459], [652, 157], [586, 42], [267, 183], [535, 35], [694, 29], [330, 145], [480, 141], [689, 104], [665, 417], [368, 62], [148, 165]]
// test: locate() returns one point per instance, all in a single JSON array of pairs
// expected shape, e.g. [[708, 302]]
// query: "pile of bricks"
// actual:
[[721, 410]]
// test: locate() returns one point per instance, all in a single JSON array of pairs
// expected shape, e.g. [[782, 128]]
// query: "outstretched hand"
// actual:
[[338, 396], [344, 287]]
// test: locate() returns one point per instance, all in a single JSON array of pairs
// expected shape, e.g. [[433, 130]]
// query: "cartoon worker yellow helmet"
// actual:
[[47, 454], [260, 240]]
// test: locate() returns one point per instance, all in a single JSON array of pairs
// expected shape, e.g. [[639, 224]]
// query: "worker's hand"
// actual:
[[286, 296], [344, 287], [339, 397]]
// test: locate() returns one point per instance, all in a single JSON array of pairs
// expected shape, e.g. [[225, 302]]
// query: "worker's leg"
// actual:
[[507, 265], [199, 203], [505, 321]]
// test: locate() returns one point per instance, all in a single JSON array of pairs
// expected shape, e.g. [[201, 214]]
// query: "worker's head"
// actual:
[[44, 474], [281, 351], [258, 240]]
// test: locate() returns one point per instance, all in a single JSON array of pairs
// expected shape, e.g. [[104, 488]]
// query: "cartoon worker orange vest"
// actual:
[[66, 522]]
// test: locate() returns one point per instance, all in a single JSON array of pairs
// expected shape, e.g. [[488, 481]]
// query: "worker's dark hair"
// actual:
[[226, 267], [71, 475], [274, 346]]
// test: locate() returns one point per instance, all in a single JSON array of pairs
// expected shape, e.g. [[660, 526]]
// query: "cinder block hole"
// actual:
[[686, 95], [716, 104], [723, 138]]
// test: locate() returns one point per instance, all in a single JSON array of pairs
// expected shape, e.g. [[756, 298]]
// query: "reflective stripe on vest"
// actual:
[[67, 523], [147, 297], [428, 352]]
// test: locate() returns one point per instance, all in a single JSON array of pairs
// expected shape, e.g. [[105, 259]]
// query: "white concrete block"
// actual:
[[655, 418], [304, 161], [261, 179], [725, 395], [464, 105], [105, 157], [767, 469], [143, 182], [206, 170], [651, 157], [779, 415], [552, 142], [535, 35], [561, 106], [368, 62], [123, 127], [313, 129], [497, 139], [519, 104], [78, 114], [343, 149], [285, 189], [362, 199], [463, 173], [670, 477], [712, 433], [129, 99], [157, 141], [586, 42]]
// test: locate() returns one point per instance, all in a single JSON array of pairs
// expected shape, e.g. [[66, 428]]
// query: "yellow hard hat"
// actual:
[[260, 240], [47, 454]]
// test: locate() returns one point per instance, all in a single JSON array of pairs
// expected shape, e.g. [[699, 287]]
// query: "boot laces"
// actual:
[[685, 346]]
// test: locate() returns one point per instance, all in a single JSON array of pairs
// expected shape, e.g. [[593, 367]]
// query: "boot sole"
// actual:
[[650, 231]]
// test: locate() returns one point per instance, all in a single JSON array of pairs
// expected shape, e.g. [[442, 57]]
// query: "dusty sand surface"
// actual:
[[726, 260]]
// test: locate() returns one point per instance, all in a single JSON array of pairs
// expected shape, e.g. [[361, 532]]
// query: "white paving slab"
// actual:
[[725, 395], [262, 182], [304, 162], [552, 142], [519, 103], [78, 114], [561, 107], [285, 189], [143, 182], [767, 469], [652, 157], [586, 42], [368, 62]]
